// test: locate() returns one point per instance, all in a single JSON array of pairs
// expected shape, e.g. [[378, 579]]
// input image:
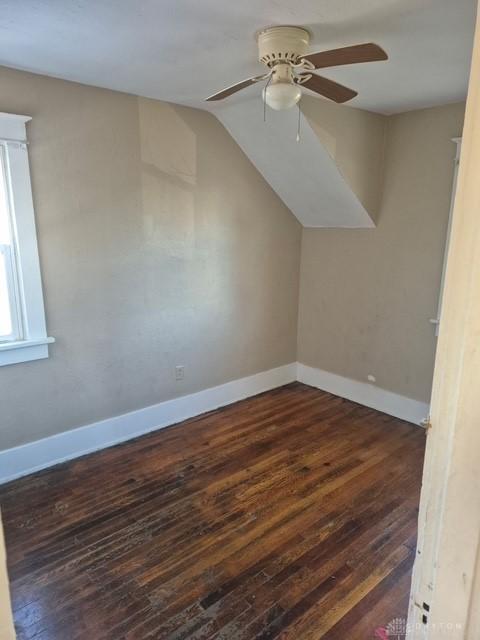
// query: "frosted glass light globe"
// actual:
[[282, 95]]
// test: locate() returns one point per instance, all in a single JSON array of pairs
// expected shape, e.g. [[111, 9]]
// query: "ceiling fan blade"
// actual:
[[234, 88], [328, 88], [368, 52]]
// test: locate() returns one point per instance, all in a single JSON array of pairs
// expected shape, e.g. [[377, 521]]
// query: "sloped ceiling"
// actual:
[[307, 174]]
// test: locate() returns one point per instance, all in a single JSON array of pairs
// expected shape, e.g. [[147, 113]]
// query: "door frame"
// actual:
[[446, 573]]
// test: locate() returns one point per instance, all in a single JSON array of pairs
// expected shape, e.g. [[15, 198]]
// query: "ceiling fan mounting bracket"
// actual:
[[282, 44]]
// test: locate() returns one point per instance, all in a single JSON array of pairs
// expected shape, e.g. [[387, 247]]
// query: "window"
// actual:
[[10, 315], [23, 333]]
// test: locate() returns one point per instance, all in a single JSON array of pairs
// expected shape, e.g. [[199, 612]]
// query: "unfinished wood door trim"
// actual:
[[442, 603], [6, 622]]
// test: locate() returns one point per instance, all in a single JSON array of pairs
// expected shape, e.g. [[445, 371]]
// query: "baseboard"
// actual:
[[363, 393], [34, 456]]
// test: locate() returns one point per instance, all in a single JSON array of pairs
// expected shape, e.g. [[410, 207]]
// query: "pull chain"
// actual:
[[265, 98], [298, 125]]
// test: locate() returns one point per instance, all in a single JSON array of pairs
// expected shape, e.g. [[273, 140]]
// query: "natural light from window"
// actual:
[[23, 331], [6, 260]]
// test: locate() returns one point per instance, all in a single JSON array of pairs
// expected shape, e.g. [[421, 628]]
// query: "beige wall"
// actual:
[[160, 244], [366, 296]]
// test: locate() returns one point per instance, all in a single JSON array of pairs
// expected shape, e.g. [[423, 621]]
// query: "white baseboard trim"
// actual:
[[34, 456], [363, 393]]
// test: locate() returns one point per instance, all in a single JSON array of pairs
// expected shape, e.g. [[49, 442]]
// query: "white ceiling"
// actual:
[[184, 50]]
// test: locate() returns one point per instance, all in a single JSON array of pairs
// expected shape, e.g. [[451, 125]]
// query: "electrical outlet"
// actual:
[[371, 378], [179, 372]]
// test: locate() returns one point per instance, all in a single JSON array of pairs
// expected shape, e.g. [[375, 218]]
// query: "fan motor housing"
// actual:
[[282, 44]]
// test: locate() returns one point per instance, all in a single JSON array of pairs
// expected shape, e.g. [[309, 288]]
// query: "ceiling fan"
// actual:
[[284, 51]]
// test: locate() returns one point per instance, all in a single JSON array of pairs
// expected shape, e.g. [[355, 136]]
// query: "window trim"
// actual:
[[34, 341]]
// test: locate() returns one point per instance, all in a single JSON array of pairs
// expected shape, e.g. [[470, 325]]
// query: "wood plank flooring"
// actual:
[[292, 515]]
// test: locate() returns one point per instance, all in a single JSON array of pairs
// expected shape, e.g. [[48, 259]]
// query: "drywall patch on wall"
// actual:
[[34, 456], [363, 393]]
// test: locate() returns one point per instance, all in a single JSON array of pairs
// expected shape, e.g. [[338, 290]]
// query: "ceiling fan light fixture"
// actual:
[[284, 51], [282, 95]]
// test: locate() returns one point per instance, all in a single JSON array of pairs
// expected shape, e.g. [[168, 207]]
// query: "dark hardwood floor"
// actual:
[[292, 514]]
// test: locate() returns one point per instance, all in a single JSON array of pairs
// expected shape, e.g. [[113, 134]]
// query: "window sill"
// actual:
[[24, 350]]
